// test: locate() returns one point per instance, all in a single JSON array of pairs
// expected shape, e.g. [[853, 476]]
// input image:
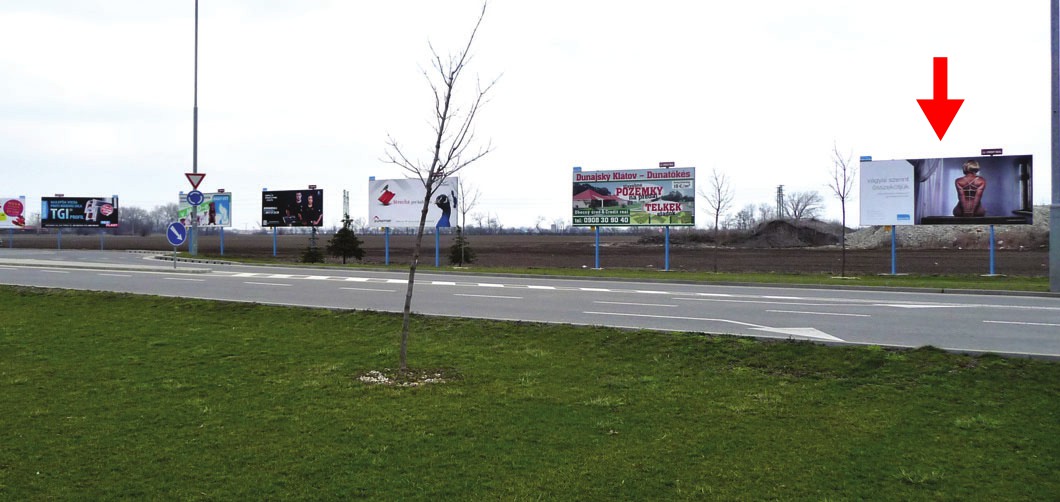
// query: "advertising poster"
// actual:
[[645, 197], [12, 212], [79, 212], [215, 210], [953, 191], [398, 203], [887, 193], [292, 208]]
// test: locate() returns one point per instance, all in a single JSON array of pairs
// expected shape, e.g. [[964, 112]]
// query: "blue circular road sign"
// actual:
[[195, 197], [176, 233]]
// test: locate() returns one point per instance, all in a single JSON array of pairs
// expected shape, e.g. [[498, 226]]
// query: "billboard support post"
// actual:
[[992, 250], [386, 246], [10, 238], [273, 242], [894, 249], [597, 247], [101, 239], [1054, 91], [59, 240], [667, 248], [437, 243], [222, 241]]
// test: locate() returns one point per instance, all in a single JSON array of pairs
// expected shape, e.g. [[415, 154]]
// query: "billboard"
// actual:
[[398, 203], [79, 212], [292, 208], [215, 210], [645, 197], [948, 191], [12, 212]]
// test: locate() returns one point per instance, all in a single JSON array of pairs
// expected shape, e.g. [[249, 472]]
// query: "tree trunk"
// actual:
[[843, 241], [403, 356], [716, 216]]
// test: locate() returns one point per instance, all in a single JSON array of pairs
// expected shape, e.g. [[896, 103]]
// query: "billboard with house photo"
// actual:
[[644, 197]]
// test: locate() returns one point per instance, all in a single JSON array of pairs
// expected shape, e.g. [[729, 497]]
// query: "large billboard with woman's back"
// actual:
[[948, 191]]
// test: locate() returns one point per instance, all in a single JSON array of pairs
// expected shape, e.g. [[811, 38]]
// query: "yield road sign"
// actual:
[[176, 233], [195, 197], [195, 179]]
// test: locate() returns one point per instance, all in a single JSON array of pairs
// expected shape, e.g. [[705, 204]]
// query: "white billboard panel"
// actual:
[[12, 212], [398, 203], [887, 192]]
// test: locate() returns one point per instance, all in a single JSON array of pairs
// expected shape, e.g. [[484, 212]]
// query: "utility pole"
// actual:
[[780, 202], [1054, 209]]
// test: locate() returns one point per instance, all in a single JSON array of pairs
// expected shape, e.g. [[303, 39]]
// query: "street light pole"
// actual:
[[1054, 209], [193, 236]]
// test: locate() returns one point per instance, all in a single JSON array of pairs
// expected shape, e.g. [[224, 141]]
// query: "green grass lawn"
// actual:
[[109, 396]]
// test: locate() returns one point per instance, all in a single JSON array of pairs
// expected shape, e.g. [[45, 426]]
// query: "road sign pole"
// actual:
[[437, 242], [386, 247], [174, 257], [222, 241], [273, 242]]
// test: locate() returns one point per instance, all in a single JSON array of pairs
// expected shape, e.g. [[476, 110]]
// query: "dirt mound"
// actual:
[[790, 234]]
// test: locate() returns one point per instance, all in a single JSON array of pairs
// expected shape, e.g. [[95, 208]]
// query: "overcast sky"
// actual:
[[96, 96]]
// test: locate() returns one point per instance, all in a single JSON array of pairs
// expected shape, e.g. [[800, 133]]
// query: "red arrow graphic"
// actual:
[[940, 110]]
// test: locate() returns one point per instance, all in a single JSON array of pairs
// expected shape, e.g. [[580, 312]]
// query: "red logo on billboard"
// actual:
[[387, 196], [13, 208], [106, 209]]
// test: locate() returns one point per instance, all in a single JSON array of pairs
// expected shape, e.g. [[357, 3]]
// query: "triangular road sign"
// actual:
[[195, 179]]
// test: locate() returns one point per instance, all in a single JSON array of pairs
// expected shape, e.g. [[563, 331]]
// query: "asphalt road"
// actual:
[[963, 322]]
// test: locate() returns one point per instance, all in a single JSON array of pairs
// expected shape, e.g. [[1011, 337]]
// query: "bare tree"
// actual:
[[842, 185], [559, 225], [745, 218], [480, 219], [803, 204], [767, 212], [468, 198], [453, 137], [719, 199]]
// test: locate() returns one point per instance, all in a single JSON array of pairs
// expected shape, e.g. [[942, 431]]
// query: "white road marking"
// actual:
[[357, 279], [922, 306], [781, 297], [317, 277], [802, 332], [490, 285], [712, 294], [54, 271], [397, 281], [649, 292], [637, 304], [183, 279], [370, 289], [280, 276], [265, 283], [1024, 323], [443, 283], [817, 313], [245, 274], [626, 314], [115, 275], [532, 286], [761, 302], [7, 268], [599, 290], [491, 296]]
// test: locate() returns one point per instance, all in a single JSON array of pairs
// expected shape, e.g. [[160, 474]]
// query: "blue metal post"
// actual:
[[991, 250], [273, 242], [597, 247], [60, 239], [386, 240], [222, 241], [437, 242], [667, 248], [894, 247], [101, 239]]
